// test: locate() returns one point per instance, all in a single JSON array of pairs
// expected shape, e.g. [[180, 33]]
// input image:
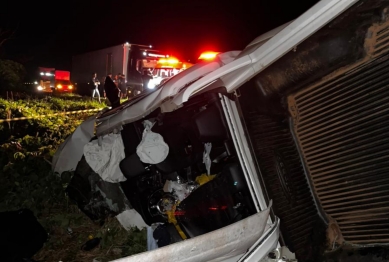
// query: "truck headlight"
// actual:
[[151, 85]]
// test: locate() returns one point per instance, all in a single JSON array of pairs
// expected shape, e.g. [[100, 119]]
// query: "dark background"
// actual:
[[48, 33]]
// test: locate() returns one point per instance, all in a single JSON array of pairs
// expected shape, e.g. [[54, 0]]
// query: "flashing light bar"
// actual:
[[172, 61], [208, 55], [168, 61]]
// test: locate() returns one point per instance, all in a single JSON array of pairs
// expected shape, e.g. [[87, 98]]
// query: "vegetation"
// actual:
[[26, 180], [11, 75]]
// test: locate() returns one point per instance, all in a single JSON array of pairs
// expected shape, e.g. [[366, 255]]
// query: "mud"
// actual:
[[352, 254]]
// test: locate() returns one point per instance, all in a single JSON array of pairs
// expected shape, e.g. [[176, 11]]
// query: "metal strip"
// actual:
[[241, 145]]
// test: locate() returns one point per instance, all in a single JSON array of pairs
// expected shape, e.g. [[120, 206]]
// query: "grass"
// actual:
[[27, 181]]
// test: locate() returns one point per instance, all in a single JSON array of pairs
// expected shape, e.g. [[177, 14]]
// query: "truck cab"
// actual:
[[62, 82], [52, 80], [46, 80]]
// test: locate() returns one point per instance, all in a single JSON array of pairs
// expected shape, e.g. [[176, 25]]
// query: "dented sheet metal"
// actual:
[[233, 240]]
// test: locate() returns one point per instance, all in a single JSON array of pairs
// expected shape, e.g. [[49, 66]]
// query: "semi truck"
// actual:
[[127, 59], [52, 80]]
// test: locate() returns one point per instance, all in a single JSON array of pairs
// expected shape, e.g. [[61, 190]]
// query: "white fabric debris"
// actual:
[[104, 159], [130, 218], [70, 152], [152, 149], [206, 157], [181, 190], [151, 242]]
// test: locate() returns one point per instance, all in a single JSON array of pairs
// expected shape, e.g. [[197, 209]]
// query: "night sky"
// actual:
[[48, 33]]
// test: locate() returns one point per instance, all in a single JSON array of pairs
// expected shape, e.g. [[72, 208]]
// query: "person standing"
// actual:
[[122, 86], [112, 92], [146, 79], [95, 83], [116, 79]]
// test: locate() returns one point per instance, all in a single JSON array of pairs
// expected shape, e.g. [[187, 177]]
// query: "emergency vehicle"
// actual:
[[165, 68]]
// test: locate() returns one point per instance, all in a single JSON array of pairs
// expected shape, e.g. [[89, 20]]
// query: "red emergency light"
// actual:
[[210, 55], [168, 61]]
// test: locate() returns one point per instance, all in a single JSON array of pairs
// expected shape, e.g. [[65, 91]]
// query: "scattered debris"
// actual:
[[91, 244]]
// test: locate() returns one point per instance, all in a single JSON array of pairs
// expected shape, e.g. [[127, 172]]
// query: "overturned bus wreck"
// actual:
[[282, 144]]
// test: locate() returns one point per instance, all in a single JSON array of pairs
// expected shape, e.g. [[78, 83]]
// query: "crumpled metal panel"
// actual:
[[342, 127], [231, 240]]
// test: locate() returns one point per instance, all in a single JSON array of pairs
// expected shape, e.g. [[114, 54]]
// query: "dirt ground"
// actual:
[[69, 232], [349, 254]]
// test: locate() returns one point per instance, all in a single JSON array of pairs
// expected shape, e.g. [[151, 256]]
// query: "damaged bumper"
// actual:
[[248, 240]]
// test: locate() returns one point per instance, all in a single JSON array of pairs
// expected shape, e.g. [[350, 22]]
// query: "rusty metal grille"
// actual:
[[342, 127], [284, 178], [382, 41]]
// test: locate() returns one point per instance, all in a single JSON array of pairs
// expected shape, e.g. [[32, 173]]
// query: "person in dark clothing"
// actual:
[[122, 86], [116, 79], [112, 92], [146, 79]]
